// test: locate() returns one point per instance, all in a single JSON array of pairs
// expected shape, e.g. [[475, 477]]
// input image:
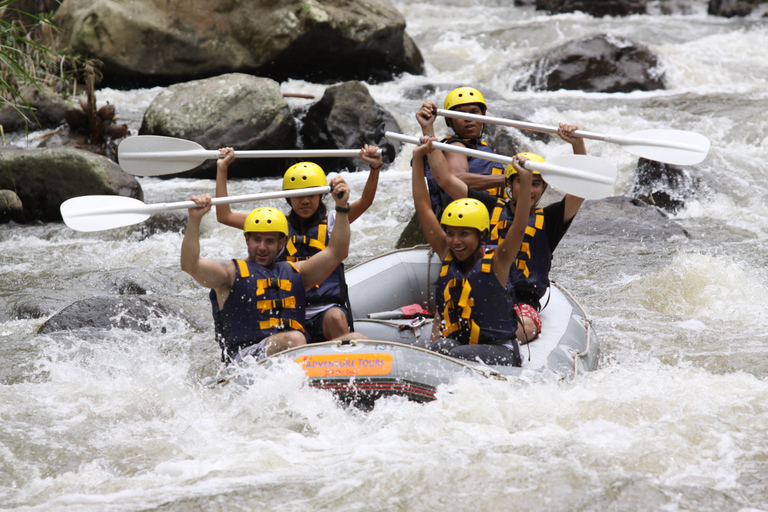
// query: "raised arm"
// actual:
[[428, 221], [317, 268], [206, 272], [368, 153], [507, 251], [572, 203], [224, 213]]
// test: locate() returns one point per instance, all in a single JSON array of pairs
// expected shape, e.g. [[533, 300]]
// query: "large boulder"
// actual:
[[664, 185], [149, 42], [597, 9], [133, 312], [346, 117], [601, 63], [45, 178], [236, 110]]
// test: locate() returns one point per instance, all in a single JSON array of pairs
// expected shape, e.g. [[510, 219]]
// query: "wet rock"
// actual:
[[168, 222], [346, 117], [45, 178], [622, 218], [601, 63], [597, 9], [145, 42], [137, 313], [45, 110], [730, 8], [11, 208], [237, 110], [412, 235], [666, 186]]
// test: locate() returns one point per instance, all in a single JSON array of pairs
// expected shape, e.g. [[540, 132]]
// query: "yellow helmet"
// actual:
[[266, 219], [304, 175], [466, 213], [511, 171], [462, 96]]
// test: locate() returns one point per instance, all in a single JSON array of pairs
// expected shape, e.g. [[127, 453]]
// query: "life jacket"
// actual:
[[529, 276], [439, 198], [475, 307], [301, 247], [262, 302]]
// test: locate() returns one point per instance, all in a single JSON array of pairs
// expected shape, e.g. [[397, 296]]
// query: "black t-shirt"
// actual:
[[554, 225]]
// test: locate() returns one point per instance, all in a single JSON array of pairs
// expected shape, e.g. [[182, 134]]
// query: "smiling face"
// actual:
[[463, 242], [305, 206], [468, 129], [263, 247], [538, 186]]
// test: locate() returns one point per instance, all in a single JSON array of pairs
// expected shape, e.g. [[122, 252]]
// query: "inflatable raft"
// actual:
[[396, 361]]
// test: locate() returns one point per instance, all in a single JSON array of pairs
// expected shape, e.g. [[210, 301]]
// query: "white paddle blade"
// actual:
[[99, 213], [676, 147], [585, 176], [155, 155]]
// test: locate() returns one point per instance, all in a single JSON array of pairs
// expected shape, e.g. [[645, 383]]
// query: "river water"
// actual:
[[675, 417]]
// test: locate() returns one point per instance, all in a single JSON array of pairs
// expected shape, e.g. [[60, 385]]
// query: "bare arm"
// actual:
[[507, 251], [429, 222], [317, 268], [459, 166], [572, 203], [206, 272], [224, 213], [368, 153]]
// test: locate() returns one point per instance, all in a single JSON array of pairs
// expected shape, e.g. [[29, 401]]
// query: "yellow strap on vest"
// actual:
[[263, 284], [525, 248], [287, 303], [280, 324], [316, 243], [243, 266]]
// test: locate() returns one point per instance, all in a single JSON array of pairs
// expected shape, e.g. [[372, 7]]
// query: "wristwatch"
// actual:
[[343, 209]]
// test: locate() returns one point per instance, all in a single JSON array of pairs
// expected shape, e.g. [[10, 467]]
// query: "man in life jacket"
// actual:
[[529, 277], [478, 316], [259, 303], [475, 172]]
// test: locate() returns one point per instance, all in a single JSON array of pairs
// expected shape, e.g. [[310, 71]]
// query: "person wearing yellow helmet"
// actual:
[[259, 302], [478, 319], [476, 172], [529, 277], [310, 225]]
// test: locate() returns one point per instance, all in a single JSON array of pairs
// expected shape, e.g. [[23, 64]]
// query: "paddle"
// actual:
[[99, 213], [584, 176], [155, 155], [669, 146]]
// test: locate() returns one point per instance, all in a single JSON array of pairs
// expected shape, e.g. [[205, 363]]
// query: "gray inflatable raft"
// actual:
[[395, 360]]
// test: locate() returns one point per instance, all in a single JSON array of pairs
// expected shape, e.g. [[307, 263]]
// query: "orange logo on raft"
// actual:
[[343, 365]]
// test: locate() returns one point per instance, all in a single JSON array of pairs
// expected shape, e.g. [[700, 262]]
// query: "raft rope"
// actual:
[[587, 325]]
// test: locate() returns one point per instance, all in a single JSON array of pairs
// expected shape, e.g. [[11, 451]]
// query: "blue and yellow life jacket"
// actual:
[[301, 247], [262, 302], [475, 307]]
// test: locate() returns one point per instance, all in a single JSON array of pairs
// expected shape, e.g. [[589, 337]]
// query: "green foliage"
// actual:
[[27, 56]]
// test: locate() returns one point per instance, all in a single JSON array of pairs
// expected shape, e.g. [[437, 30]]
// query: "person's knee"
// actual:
[[284, 341], [335, 323]]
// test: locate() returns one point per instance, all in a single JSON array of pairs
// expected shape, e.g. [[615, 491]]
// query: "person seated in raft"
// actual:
[[310, 226], [529, 277], [478, 315], [259, 303], [475, 172]]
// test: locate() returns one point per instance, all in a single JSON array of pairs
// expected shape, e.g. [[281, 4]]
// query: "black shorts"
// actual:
[[314, 325]]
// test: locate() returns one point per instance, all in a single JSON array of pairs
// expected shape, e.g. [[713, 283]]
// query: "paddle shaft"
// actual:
[[164, 207], [533, 166], [615, 139], [204, 154]]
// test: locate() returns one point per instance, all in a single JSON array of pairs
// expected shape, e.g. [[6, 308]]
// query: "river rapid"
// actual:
[[675, 417]]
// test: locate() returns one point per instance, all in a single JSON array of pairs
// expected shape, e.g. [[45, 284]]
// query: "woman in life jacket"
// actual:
[[478, 319], [477, 173], [328, 315]]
